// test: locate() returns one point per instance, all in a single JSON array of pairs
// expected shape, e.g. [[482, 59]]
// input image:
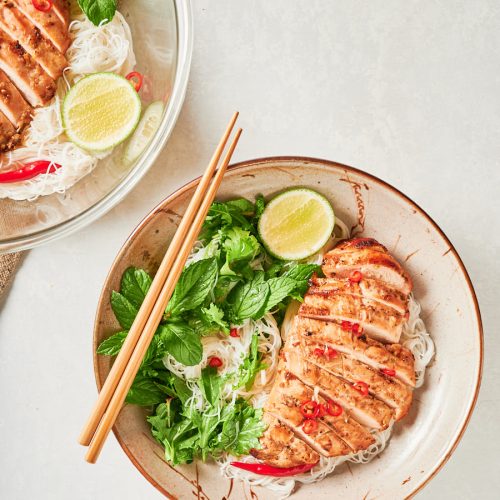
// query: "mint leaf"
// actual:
[[251, 365], [195, 283], [210, 385], [280, 288], [145, 392], [98, 11], [248, 300], [124, 310], [112, 345], [181, 342], [135, 285]]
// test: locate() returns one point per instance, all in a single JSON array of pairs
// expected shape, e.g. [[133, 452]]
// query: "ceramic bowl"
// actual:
[[426, 438]]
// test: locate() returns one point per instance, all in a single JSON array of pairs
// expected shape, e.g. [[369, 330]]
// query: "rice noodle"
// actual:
[[93, 49], [414, 336]]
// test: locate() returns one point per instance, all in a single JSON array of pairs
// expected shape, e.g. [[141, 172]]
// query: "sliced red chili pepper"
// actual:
[[309, 425], [331, 353], [234, 332], [215, 362], [42, 5], [334, 409], [309, 409], [29, 170], [269, 470], [388, 371], [355, 277], [319, 352], [357, 329], [322, 410], [361, 387], [136, 79], [346, 326]]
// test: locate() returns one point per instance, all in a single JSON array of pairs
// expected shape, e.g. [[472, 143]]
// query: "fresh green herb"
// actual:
[[251, 365], [182, 343], [124, 310], [112, 345], [98, 11], [135, 285]]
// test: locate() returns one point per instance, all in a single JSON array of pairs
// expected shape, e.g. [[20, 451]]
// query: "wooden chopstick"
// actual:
[[158, 283], [153, 320]]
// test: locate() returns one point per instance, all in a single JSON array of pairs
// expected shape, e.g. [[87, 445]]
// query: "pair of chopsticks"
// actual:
[[128, 361]]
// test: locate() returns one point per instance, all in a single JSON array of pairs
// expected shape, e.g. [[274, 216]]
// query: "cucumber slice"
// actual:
[[296, 224], [144, 132]]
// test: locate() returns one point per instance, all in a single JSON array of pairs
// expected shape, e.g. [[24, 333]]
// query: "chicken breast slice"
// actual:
[[19, 28], [371, 263], [35, 85], [380, 322], [367, 410], [62, 9], [284, 404], [12, 103], [7, 132], [367, 288], [280, 446], [355, 244], [378, 356], [49, 23], [384, 387]]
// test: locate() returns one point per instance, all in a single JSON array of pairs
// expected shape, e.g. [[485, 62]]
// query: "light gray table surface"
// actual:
[[407, 90]]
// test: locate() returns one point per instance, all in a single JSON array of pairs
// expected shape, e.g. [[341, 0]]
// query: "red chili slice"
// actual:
[[319, 352], [309, 425], [389, 372], [361, 387], [29, 170], [331, 353], [309, 409], [334, 409], [322, 410], [136, 79], [234, 332], [215, 362], [357, 329], [355, 277], [269, 470], [346, 326], [42, 5]]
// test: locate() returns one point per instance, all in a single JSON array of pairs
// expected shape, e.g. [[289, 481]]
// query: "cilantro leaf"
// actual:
[[181, 342], [98, 11], [213, 319], [195, 283], [124, 310]]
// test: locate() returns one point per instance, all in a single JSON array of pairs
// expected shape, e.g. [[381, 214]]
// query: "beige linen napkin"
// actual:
[[8, 266]]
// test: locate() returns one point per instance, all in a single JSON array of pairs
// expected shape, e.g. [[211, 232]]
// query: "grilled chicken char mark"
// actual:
[[379, 321], [62, 9], [281, 448], [49, 23], [12, 103], [284, 404], [7, 133], [36, 86], [374, 264], [367, 288], [367, 410], [374, 354], [386, 388], [19, 28]]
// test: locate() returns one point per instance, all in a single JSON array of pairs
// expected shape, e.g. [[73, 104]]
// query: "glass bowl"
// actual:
[[163, 42]]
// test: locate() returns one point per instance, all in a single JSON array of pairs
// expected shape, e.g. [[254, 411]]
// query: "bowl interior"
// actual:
[[25, 223], [423, 441]]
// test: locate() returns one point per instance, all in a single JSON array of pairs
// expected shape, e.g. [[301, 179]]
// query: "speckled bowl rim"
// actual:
[[272, 160]]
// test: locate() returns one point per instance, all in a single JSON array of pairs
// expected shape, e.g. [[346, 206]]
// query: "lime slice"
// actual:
[[144, 132], [296, 224], [100, 111]]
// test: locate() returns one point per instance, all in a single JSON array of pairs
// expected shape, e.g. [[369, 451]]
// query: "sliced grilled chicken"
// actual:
[[49, 23], [19, 28], [284, 404], [383, 386], [7, 132], [36, 86], [355, 244], [281, 448], [366, 350], [367, 288], [12, 103], [367, 410], [381, 322], [371, 263], [61, 9]]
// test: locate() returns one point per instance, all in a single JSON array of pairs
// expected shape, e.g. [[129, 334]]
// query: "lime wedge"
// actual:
[[296, 224], [100, 111], [144, 132]]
